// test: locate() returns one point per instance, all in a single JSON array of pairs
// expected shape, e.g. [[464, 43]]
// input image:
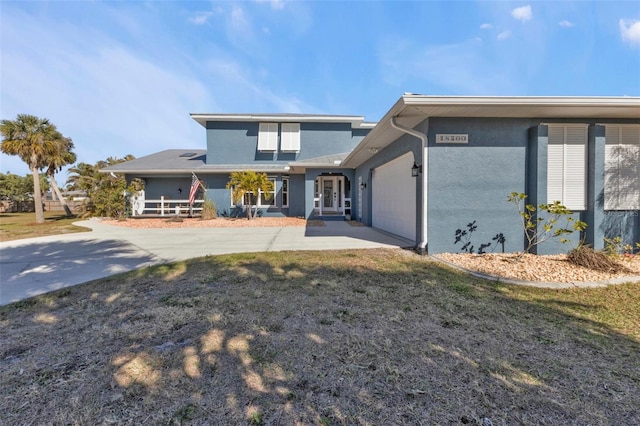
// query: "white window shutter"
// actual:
[[575, 168], [268, 137], [566, 165], [555, 165], [622, 167], [290, 139]]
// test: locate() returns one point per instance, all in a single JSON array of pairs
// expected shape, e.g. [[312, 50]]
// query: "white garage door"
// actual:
[[394, 197]]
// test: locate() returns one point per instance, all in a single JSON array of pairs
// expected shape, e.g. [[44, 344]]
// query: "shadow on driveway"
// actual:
[[33, 268]]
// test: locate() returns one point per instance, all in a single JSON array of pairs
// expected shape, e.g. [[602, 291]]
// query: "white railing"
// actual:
[[317, 205], [164, 207]]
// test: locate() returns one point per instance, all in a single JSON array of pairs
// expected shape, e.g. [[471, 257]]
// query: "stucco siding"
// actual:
[[237, 142]]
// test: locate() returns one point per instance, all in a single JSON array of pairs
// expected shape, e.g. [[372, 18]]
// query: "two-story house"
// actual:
[[429, 167], [301, 154]]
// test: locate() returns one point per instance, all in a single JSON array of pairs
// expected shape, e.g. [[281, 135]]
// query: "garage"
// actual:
[[394, 197]]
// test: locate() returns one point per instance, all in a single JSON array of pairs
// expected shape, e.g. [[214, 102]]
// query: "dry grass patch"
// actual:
[[343, 337], [16, 226]]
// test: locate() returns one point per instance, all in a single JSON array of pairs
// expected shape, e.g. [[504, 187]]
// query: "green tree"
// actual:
[[60, 156], [106, 191], [33, 139], [246, 186], [19, 188]]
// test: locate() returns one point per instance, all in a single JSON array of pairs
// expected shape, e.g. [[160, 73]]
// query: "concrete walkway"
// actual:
[[39, 265]]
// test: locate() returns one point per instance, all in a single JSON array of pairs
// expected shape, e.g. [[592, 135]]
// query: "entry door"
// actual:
[[332, 188], [329, 194]]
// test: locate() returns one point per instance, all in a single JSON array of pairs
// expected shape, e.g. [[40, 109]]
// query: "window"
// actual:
[[285, 192], [566, 165], [268, 137], [263, 195], [622, 167], [290, 137]]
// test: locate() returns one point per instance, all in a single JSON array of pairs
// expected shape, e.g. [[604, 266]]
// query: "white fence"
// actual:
[[164, 207]]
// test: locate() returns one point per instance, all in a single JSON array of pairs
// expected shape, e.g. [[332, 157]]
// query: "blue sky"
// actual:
[[122, 77]]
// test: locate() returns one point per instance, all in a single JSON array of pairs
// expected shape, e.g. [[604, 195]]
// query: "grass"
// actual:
[[328, 338], [16, 226]]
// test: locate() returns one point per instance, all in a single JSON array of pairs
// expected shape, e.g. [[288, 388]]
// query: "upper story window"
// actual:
[[567, 164], [622, 167], [268, 137], [290, 137]]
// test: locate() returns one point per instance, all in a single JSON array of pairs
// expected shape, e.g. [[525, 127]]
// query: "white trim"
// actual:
[[287, 191]]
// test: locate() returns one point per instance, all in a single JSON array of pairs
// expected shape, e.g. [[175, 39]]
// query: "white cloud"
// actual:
[[200, 18], [109, 99], [630, 31], [275, 4], [566, 24], [486, 26], [239, 20], [523, 13], [504, 35]]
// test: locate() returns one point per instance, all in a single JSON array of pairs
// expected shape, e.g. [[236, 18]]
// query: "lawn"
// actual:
[[15, 226], [330, 338]]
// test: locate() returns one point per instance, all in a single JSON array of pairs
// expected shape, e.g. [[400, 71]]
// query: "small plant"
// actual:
[[540, 229], [613, 246], [208, 209], [256, 419]]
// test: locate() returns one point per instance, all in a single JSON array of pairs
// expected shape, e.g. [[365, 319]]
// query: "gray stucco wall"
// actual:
[[237, 142], [470, 183]]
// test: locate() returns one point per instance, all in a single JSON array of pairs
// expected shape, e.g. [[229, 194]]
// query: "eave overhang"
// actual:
[[412, 109], [357, 122]]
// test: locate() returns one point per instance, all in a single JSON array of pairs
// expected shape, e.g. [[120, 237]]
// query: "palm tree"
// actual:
[[61, 156], [32, 139], [247, 185]]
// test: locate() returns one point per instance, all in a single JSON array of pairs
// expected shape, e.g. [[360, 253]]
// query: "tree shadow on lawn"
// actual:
[[365, 337]]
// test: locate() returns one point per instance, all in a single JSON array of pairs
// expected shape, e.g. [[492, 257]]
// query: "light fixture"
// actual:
[[415, 170], [374, 150], [363, 186]]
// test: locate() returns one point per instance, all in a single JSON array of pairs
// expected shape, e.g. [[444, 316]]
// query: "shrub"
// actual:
[[208, 209], [539, 229]]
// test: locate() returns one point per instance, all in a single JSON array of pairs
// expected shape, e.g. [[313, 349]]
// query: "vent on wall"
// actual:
[[188, 154]]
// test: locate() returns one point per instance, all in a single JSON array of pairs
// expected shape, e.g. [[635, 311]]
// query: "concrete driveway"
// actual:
[[39, 265]]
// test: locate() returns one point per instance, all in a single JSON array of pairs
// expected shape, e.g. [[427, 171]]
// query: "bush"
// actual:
[[587, 257], [208, 209]]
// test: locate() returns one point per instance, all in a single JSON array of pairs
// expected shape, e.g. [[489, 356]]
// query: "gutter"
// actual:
[[422, 246]]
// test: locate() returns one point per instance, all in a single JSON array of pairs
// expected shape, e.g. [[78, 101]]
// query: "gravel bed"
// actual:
[[551, 268]]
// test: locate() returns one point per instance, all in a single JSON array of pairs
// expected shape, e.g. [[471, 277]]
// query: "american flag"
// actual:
[[195, 183]]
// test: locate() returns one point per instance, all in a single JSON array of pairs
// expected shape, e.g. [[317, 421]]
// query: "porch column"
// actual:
[[536, 175]]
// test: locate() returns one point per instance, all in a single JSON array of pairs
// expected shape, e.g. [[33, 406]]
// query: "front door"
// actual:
[[332, 193]]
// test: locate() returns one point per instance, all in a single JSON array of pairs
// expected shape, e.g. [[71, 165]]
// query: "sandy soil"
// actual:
[[537, 268], [530, 268]]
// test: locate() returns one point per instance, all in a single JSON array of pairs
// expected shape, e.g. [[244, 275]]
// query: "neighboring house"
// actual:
[[432, 165]]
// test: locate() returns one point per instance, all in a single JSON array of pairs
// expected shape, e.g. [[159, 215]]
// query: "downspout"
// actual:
[[422, 246]]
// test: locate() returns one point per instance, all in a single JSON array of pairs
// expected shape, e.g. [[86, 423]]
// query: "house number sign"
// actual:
[[452, 138]]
